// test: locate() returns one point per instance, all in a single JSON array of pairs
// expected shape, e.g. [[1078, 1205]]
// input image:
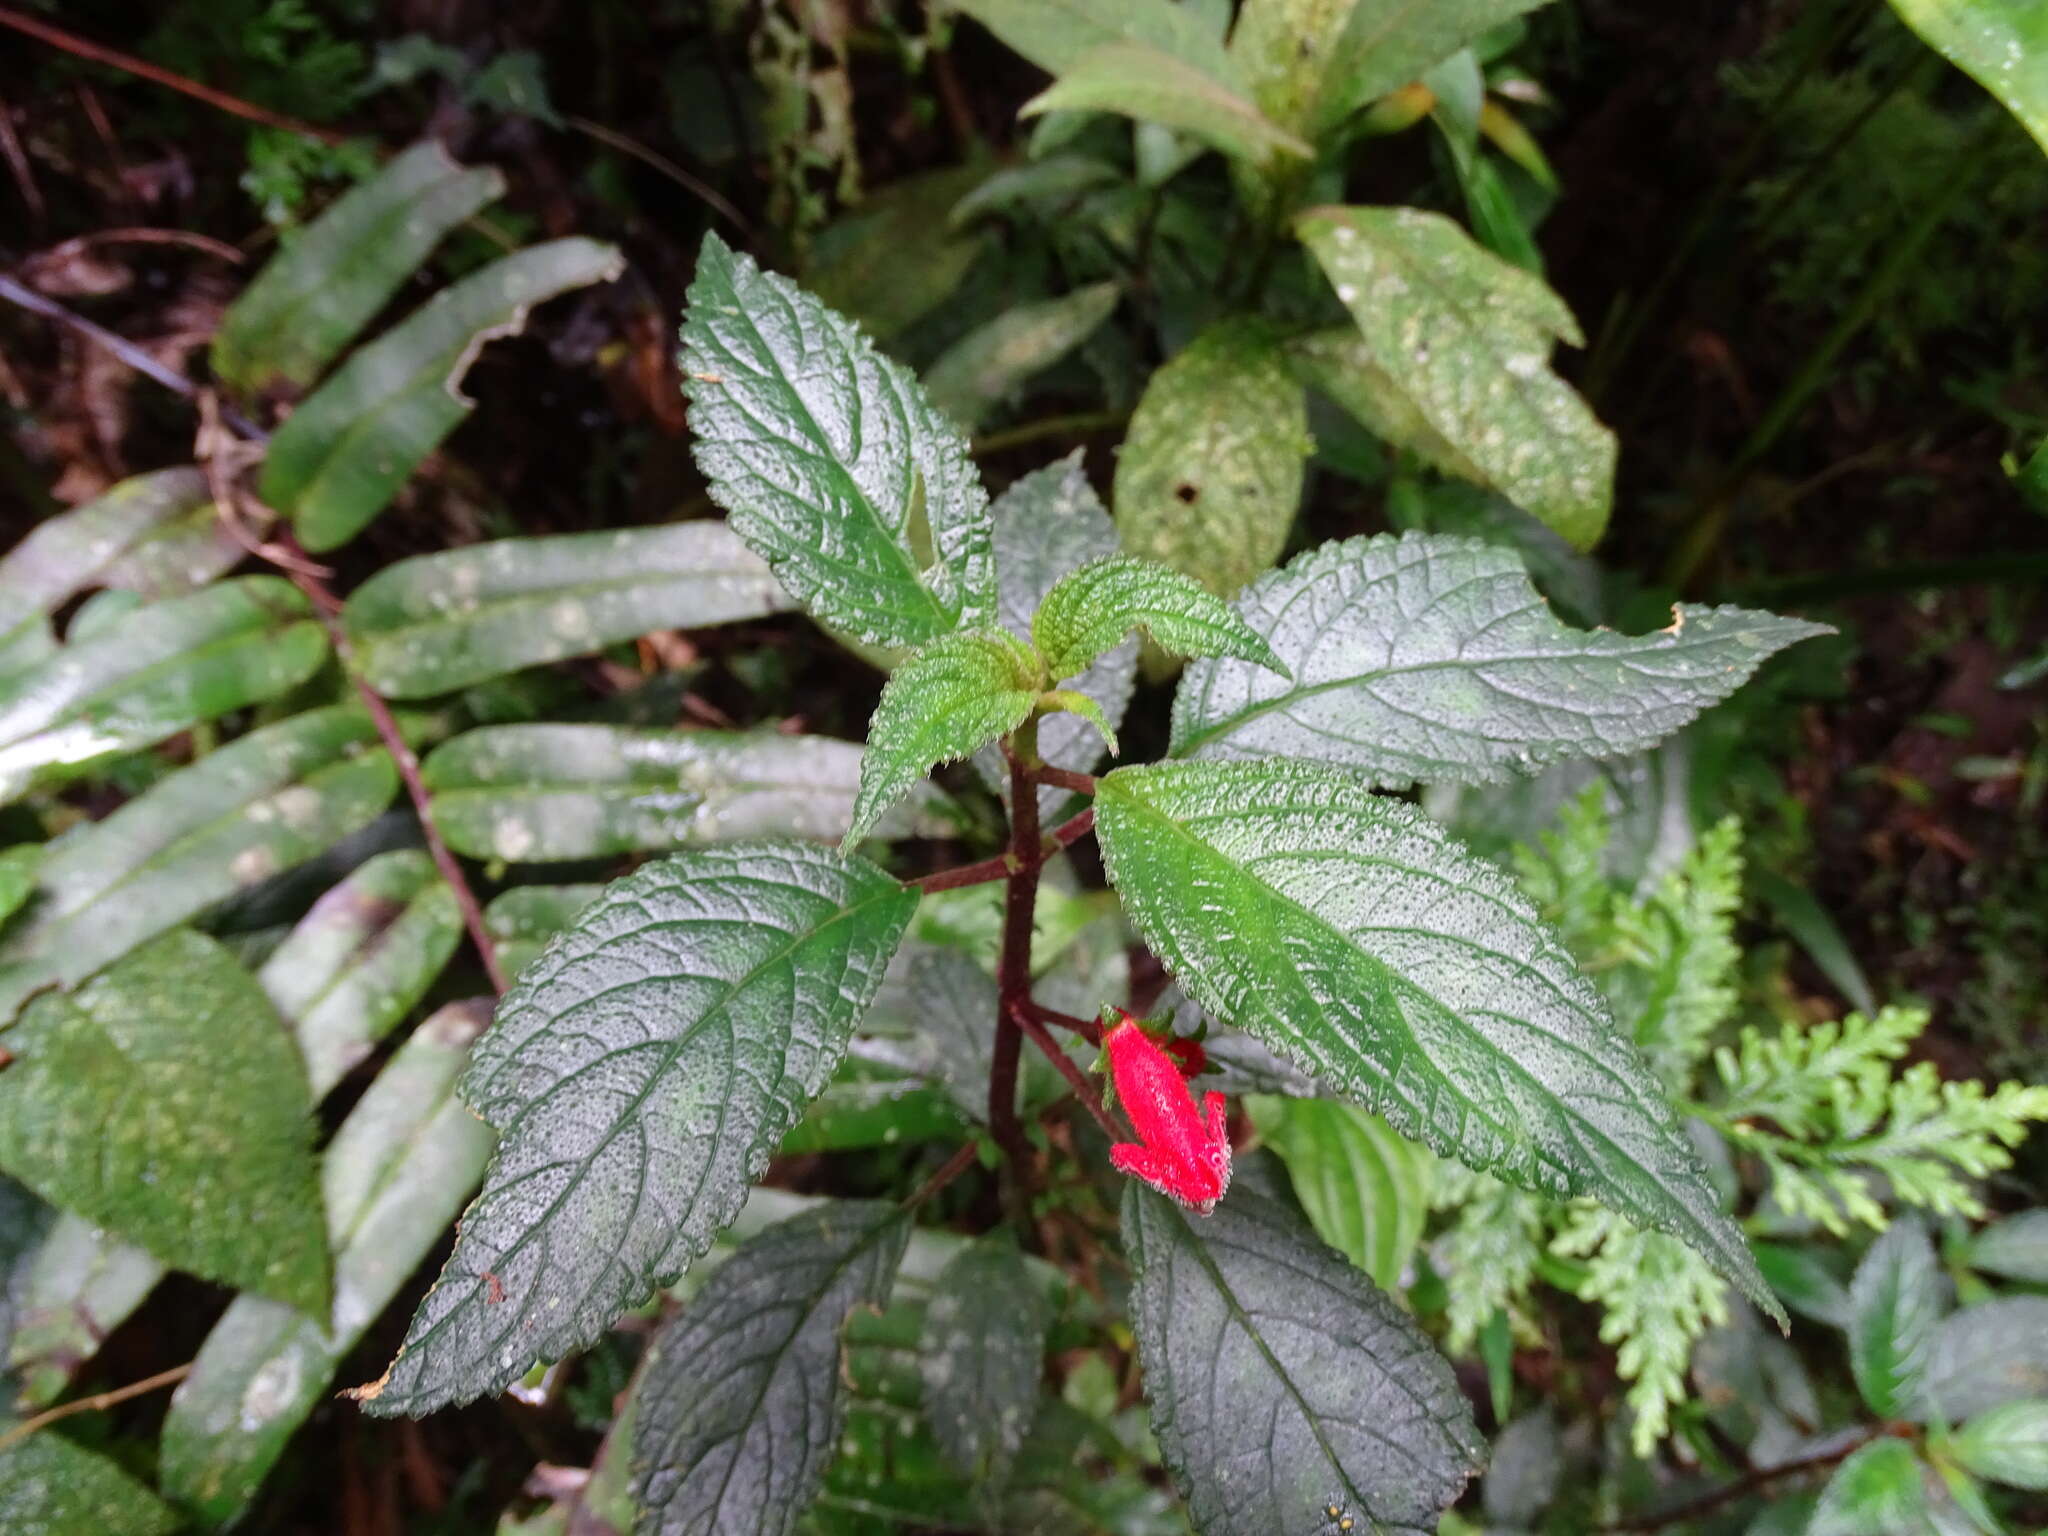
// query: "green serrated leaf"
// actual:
[[1983, 1356], [822, 452], [163, 669], [1366, 1191], [949, 699], [741, 1404], [393, 1178], [1211, 470], [2008, 1444], [992, 362], [1428, 658], [163, 1099], [714, 993], [439, 622], [356, 963], [1466, 338], [981, 1356], [343, 454], [1288, 1392], [1352, 935], [534, 793], [238, 816], [51, 1487], [1878, 1491], [1895, 1301], [1148, 83], [2001, 44], [1055, 34], [335, 274], [1094, 608], [2015, 1248], [1047, 524], [65, 554]]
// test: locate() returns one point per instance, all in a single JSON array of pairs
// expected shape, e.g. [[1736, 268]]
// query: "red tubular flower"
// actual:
[[1178, 1152]]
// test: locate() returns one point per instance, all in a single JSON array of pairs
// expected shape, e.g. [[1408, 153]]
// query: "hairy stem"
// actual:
[[1013, 966], [1084, 1090], [1005, 864]]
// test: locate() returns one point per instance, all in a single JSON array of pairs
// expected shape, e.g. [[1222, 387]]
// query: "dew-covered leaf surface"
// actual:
[[830, 462], [1351, 934], [1465, 337], [641, 1074], [740, 1408], [1288, 1392], [1431, 658], [164, 1100]]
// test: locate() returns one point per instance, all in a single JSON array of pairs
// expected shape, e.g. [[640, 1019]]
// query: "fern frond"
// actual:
[[1677, 985], [1565, 873], [1835, 1128], [1488, 1255], [1656, 1296]]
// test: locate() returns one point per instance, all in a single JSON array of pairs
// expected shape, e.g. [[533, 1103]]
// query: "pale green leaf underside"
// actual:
[[71, 551], [2001, 44], [981, 1355], [1150, 84], [163, 669], [740, 1408], [440, 622], [948, 700], [1365, 1189], [1283, 1383], [536, 793], [329, 282], [239, 815], [1984, 1355], [353, 967], [343, 454], [641, 1074], [1211, 469], [1466, 338], [1351, 934], [1093, 609], [395, 1175], [164, 1100], [1431, 658], [2009, 1444], [830, 462]]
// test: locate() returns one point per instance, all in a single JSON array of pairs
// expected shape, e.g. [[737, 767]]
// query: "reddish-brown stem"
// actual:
[[1084, 1090], [1088, 1029], [1684, 1514], [1005, 864], [945, 1174], [408, 767], [98, 1402], [1013, 970], [72, 43], [1065, 778]]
